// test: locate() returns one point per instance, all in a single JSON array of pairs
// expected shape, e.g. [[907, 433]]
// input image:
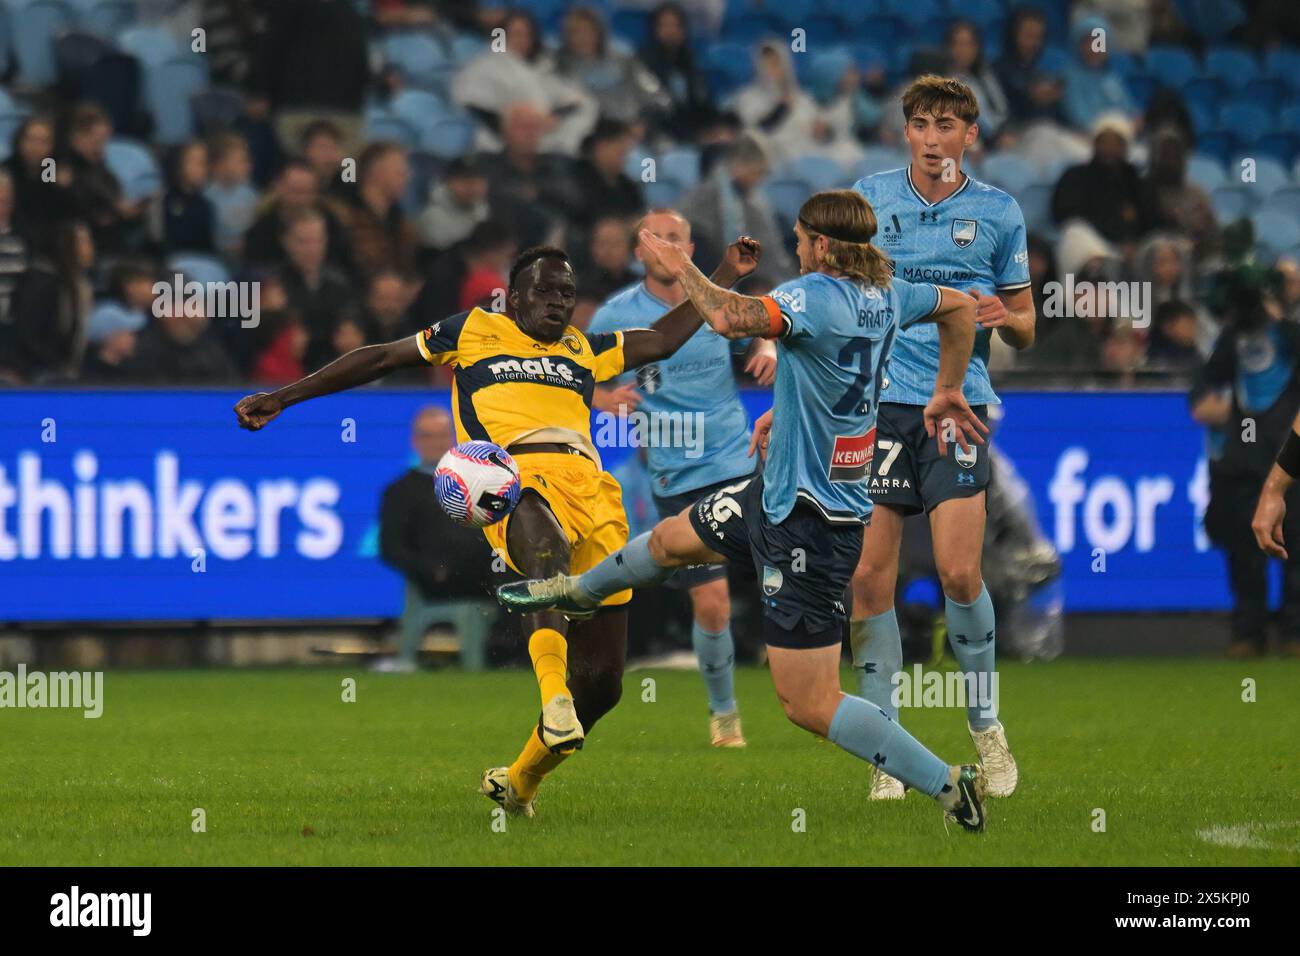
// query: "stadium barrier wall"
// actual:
[[153, 505]]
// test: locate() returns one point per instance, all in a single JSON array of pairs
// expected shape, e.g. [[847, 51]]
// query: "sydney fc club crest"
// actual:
[[963, 232], [772, 580]]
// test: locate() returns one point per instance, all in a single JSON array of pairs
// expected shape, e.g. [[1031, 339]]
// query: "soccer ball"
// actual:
[[477, 483]]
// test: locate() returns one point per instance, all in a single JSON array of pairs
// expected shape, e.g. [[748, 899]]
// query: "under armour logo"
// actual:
[[878, 760], [868, 668]]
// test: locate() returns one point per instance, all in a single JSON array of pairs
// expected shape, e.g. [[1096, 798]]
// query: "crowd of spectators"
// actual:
[[354, 233]]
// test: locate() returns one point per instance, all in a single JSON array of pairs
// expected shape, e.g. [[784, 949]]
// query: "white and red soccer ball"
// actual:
[[477, 483]]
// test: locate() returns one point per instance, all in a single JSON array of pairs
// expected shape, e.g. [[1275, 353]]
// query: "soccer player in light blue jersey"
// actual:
[[799, 523], [698, 440], [939, 225]]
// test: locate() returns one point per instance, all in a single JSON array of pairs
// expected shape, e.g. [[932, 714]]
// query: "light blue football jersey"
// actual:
[[973, 240], [837, 335], [697, 381]]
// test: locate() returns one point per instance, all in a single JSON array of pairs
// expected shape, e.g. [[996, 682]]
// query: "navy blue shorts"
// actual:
[[803, 565], [907, 471], [693, 575]]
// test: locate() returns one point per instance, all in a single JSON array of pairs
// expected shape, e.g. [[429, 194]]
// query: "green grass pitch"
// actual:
[[287, 773]]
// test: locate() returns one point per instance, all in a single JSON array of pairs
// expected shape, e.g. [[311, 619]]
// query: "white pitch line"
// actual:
[[1245, 836]]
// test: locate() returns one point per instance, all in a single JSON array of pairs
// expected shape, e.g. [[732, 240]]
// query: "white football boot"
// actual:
[[885, 787], [724, 730], [496, 786], [559, 727], [1000, 772]]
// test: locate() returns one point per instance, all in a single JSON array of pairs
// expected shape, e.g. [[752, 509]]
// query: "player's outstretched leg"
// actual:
[[957, 526], [807, 682], [715, 649], [873, 633]]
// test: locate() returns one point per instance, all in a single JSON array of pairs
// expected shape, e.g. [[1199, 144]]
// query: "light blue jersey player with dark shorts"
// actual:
[[939, 225], [800, 522], [697, 435]]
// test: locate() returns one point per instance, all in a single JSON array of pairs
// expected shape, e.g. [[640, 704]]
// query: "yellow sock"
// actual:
[[533, 763], [550, 653]]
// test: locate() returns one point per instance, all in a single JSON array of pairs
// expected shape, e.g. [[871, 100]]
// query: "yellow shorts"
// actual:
[[588, 504]]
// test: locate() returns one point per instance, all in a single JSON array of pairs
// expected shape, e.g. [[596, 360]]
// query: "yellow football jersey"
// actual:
[[509, 387]]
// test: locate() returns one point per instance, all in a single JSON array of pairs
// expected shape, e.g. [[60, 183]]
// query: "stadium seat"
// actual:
[[729, 66], [1008, 171], [1280, 147], [1140, 87], [662, 192], [420, 108], [1202, 95], [916, 12], [1270, 175], [215, 109], [1247, 121], [384, 126], [6, 40], [1036, 205], [134, 166], [1266, 92], [1283, 64], [983, 13], [150, 45], [422, 61], [681, 165], [449, 137], [1232, 67], [1276, 230], [35, 27], [786, 196], [631, 25], [426, 168], [1217, 143], [818, 172], [869, 56], [197, 267], [1231, 203], [465, 47], [106, 17], [169, 87], [1286, 201], [1171, 66], [1207, 172], [878, 159]]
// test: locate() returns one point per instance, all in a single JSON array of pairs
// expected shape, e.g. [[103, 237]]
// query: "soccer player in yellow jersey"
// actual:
[[524, 380]]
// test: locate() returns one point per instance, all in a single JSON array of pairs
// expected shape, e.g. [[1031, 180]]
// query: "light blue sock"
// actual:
[[717, 656], [971, 634], [630, 567], [877, 657], [866, 731]]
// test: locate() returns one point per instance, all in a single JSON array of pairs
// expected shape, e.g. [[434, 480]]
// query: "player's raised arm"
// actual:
[[671, 332], [948, 417], [1011, 313], [347, 371]]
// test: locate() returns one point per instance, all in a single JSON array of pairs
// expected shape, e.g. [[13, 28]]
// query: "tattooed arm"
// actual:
[[728, 313]]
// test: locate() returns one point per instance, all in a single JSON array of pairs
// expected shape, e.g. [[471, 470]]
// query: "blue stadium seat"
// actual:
[[791, 13], [1266, 92], [1232, 67], [197, 267], [631, 25], [384, 126], [426, 169], [1247, 121], [729, 66], [1289, 118], [982, 13], [1270, 175], [106, 17], [1286, 201], [1206, 171], [1280, 147], [819, 172], [916, 12], [466, 47], [134, 166], [1007, 171], [1276, 230], [422, 61], [878, 159], [422, 110], [1036, 204], [1217, 143], [681, 165], [1123, 62], [449, 137], [1171, 66], [6, 40], [150, 45], [169, 87], [662, 192], [1283, 64], [786, 196], [1231, 203], [869, 56], [35, 27], [1140, 87], [1203, 93]]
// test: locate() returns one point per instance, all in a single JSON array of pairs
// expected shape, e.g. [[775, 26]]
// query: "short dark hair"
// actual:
[[531, 255], [320, 127], [933, 95], [488, 234], [1172, 309]]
